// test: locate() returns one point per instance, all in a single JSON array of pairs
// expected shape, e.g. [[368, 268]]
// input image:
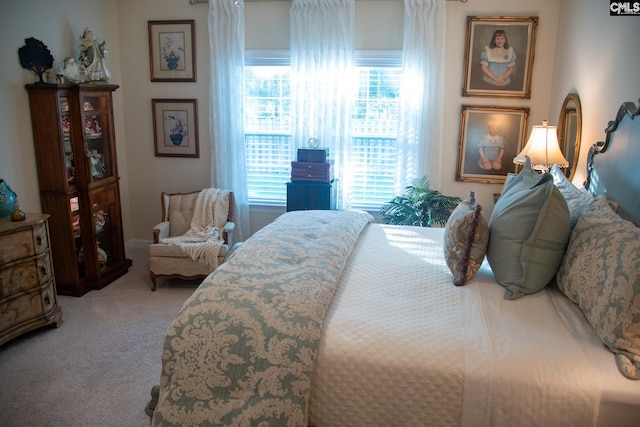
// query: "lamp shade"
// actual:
[[542, 148]]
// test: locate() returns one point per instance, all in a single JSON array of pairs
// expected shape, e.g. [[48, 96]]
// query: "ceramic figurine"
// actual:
[[92, 57], [97, 164], [8, 200], [18, 214], [72, 71]]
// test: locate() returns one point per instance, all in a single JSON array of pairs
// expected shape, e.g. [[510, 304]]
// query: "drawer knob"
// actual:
[[39, 240], [43, 270]]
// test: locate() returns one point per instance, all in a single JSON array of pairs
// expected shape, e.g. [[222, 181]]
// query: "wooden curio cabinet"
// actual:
[[75, 148]]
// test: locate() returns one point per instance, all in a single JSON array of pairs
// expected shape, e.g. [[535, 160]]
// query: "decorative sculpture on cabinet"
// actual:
[[92, 57]]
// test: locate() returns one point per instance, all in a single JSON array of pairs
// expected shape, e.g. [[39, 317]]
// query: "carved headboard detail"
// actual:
[[616, 175]]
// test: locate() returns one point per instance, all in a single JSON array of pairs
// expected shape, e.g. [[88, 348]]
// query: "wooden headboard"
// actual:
[[613, 165]]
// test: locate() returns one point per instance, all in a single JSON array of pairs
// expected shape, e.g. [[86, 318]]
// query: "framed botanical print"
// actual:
[[172, 51], [175, 127], [490, 137], [499, 56]]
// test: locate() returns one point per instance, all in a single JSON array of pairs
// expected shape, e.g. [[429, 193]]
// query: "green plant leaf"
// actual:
[[419, 205]]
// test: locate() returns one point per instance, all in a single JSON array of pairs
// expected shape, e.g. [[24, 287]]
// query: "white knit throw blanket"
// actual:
[[203, 240]]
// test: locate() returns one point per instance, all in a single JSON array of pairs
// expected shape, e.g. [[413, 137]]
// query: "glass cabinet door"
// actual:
[[66, 121], [76, 220], [105, 214], [96, 116]]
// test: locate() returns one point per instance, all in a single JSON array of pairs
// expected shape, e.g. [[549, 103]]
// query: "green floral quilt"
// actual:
[[242, 349]]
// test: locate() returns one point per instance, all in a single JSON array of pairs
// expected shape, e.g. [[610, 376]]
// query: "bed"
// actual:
[[325, 318]]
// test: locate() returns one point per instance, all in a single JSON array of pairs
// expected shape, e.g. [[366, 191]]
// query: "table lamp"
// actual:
[[543, 149]]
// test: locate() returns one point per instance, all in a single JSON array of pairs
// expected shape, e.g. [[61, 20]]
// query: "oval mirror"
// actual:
[[569, 131]]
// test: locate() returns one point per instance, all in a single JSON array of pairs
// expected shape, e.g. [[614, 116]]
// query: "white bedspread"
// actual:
[[521, 363], [392, 353], [400, 337]]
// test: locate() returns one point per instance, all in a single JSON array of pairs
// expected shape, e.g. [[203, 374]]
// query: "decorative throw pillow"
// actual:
[[465, 240], [601, 273], [528, 233], [577, 200]]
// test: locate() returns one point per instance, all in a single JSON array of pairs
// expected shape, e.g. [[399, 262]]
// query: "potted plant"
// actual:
[[419, 205]]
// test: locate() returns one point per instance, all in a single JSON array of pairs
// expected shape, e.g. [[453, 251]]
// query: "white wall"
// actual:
[[150, 175], [597, 57]]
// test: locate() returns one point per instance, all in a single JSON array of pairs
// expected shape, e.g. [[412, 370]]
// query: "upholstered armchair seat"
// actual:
[[169, 260], [173, 251]]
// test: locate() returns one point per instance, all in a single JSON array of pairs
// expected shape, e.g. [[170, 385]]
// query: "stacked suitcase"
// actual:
[[312, 164]]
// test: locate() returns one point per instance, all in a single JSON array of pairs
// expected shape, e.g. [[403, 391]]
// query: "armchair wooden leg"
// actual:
[[153, 280]]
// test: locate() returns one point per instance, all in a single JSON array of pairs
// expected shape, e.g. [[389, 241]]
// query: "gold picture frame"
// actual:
[[499, 69], [175, 127], [172, 51], [489, 129]]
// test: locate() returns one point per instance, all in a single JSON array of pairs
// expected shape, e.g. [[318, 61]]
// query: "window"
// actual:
[[268, 127], [375, 126], [267, 135]]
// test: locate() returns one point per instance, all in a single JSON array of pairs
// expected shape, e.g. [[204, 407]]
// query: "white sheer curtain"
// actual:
[[420, 131], [226, 46], [322, 43]]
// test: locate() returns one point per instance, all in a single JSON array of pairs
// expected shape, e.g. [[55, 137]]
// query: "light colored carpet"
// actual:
[[98, 368]]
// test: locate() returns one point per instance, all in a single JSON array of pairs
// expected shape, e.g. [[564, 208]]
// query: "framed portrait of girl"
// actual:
[[499, 56]]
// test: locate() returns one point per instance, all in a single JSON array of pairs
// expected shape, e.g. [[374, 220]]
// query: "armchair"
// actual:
[[170, 260]]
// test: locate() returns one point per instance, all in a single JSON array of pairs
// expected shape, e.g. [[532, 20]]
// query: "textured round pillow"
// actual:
[[465, 240]]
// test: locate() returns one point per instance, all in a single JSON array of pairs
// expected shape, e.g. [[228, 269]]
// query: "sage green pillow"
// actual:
[[528, 233]]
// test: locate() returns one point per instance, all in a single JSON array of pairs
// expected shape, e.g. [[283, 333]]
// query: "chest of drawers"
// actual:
[[28, 297]]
